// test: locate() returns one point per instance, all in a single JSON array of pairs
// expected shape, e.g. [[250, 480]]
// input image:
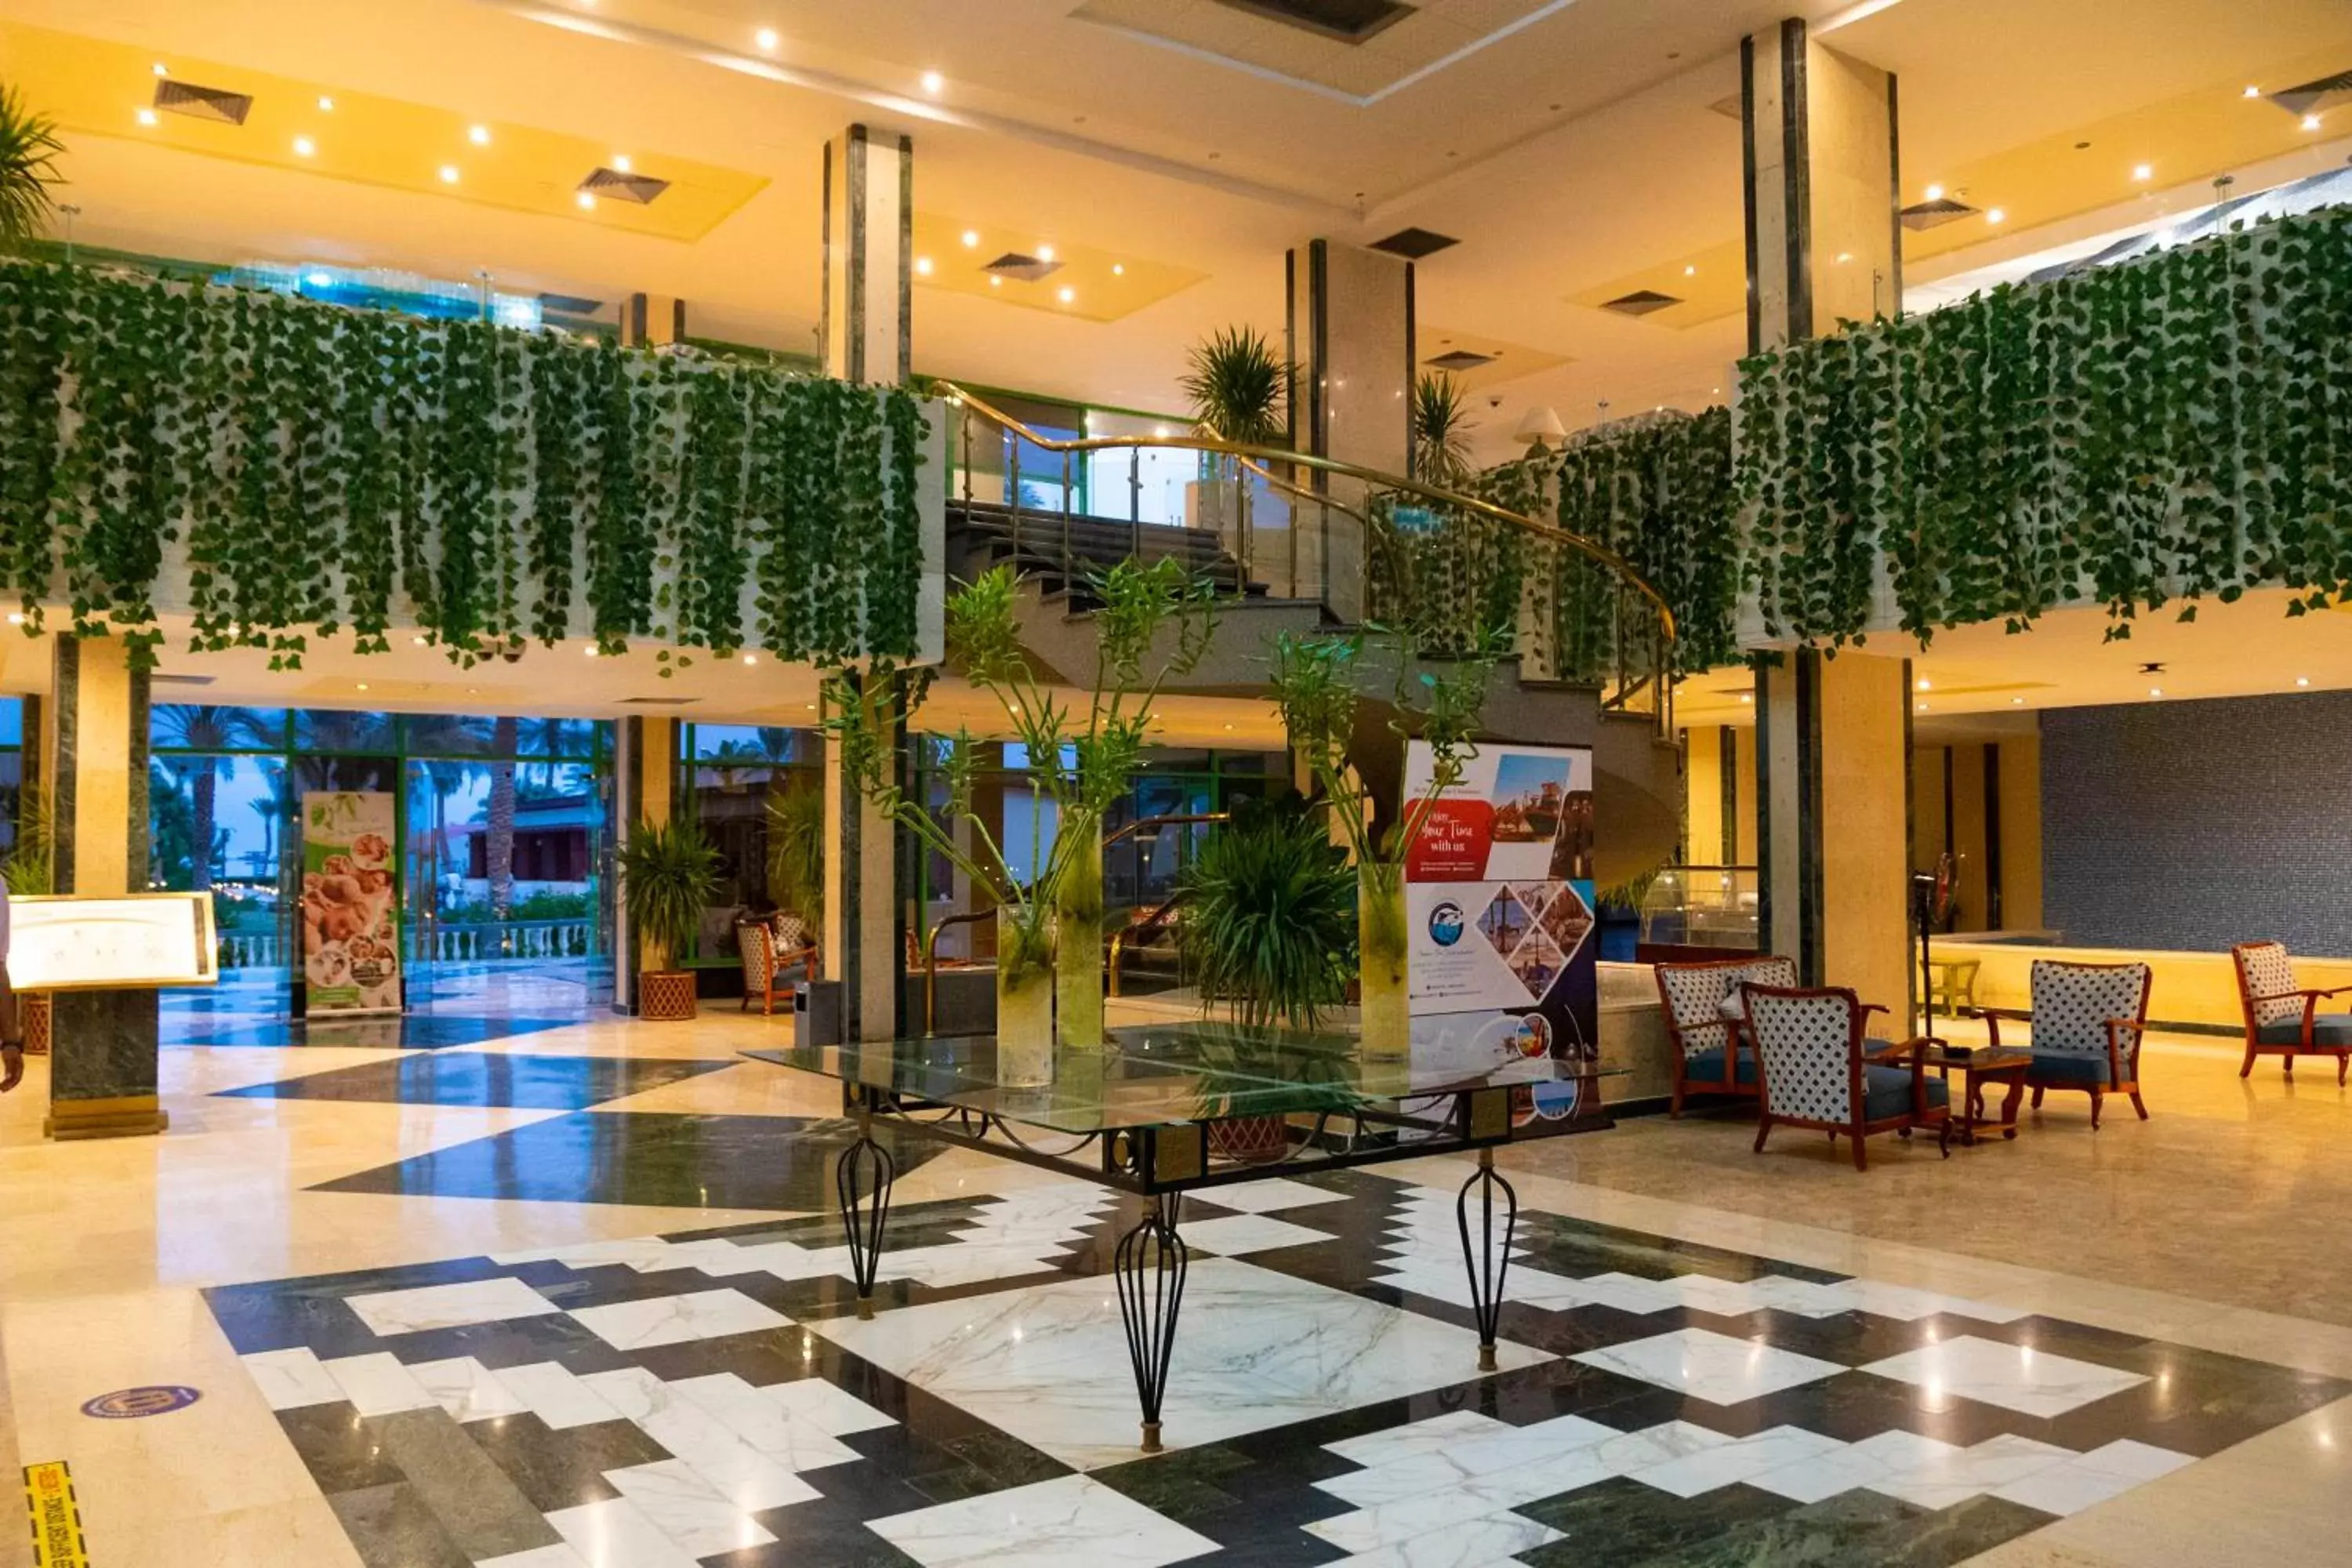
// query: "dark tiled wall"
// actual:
[[2195, 825]]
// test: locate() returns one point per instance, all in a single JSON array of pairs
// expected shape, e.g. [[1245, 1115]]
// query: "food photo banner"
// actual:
[[1498, 900], [350, 904]]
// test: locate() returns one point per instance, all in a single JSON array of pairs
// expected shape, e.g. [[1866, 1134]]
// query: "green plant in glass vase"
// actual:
[[1154, 623], [1317, 682]]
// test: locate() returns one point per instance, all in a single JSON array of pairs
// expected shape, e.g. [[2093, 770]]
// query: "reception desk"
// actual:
[[2191, 990]]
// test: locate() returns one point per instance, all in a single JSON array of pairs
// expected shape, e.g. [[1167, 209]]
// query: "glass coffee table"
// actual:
[[1167, 1109], [1978, 1067]]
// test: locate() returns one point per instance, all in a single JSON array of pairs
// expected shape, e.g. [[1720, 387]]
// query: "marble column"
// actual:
[[866, 329], [644, 783], [102, 1064], [1350, 345], [1833, 770]]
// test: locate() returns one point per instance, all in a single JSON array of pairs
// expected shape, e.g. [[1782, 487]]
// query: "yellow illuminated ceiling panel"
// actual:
[[1020, 268], [95, 88], [1704, 286], [1506, 361]]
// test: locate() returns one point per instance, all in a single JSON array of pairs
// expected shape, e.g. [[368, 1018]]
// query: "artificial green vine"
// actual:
[[2157, 432], [318, 467]]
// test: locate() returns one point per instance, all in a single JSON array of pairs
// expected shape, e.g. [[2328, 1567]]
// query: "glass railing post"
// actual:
[[1013, 490], [1135, 500], [1067, 572], [965, 448]]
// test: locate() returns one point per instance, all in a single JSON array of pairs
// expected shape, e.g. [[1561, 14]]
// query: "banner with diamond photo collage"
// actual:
[[1498, 889]]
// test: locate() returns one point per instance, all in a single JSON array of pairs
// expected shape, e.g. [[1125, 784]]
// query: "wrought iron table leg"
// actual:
[[1149, 1265], [1486, 1263], [862, 1178]]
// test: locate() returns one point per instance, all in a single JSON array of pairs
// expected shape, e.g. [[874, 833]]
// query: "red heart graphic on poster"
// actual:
[[1453, 842]]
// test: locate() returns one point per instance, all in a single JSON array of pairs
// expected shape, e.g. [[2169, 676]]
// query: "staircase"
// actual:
[[1061, 553]]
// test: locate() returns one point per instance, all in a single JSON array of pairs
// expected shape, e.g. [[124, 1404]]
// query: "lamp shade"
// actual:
[[1540, 427]]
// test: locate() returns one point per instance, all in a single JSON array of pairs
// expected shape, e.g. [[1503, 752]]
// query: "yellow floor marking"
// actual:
[[57, 1516]]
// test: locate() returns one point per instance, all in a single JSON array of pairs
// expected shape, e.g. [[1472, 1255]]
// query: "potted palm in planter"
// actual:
[[1240, 391], [669, 874], [1441, 431], [1315, 682], [28, 150]]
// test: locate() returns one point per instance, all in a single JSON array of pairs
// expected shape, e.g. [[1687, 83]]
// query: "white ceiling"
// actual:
[[1579, 148]]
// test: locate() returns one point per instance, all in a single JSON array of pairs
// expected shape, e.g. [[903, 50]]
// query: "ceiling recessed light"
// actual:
[[16, 617], [304, 147], [1927, 685], [1045, 253], [2156, 691], [590, 650], [1119, 269], [585, 201], [934, 83], [810, 706], [1066, 295], [1996, 215], [2253, 91], [420, 639], [2143, 172], [2302, 680], [1935, 193], [996, 283], [766, 38], [1747, 697], [2017, 703], [163, 69], [1715, 392], [146, 117], [1160, 432], [2311, 123], [1920, 707], [1844, 256], [1691, 271], [448, 173], [479, 136], [323, 281], [970, 238], [750, 658], [326, 105], [621, 162], [923, 266]]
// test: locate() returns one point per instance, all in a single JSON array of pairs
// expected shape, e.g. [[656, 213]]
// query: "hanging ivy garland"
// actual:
[[318, 467], [1657, 491], [2156, 431]]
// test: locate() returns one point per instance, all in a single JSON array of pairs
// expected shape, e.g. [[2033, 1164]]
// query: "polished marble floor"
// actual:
[[571, 1295]]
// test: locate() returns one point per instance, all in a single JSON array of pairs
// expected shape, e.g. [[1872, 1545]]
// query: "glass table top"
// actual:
[[1162, 1074]]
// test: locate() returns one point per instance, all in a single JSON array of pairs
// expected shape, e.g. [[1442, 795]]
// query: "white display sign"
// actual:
[[63, 942]]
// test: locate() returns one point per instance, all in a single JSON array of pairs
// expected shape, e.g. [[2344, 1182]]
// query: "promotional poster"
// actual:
[[351, 904], [1500, 912]]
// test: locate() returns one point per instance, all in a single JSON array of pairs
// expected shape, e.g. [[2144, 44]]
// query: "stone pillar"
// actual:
[[645, 783], [649, 321], [1819, 137], [1350, 344], [102, 1072], [865, 326], [1834, 771], [865, 319]]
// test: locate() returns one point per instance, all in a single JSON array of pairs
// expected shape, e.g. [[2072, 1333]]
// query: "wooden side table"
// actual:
[[1978, 1068]]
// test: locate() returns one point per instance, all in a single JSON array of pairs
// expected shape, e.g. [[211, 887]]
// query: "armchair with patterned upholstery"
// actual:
[[1819, 1070], [1707, 1026], [772, 948], [2087, 1022], [2283, 1019]]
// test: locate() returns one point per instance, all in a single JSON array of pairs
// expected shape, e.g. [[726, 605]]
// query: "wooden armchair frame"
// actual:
[[1733, 1031], [2311, 997], [1858, 1127], [758, 931], [2122, 1065]]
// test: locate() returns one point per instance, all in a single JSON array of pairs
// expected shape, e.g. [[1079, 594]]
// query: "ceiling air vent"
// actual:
[[1413, 244], [639, 188], [569, 305], [1022, 268], [1640, 303], [1460, 361], [1732, 108], [2315, 96], [1348, 21], [657, 701], [159, 678], [174, 96], [1929, 215]]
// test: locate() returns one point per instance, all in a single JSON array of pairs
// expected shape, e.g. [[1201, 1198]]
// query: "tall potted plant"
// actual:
[[669, 874], [1441, 431], [1240, 391], [1270, 914], [29, 151], [1317, 681]]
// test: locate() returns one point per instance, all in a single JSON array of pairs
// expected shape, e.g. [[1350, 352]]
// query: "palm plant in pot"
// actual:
[[1441, 431], [1317, 682], [29, 151], [669, 874], [1239, 389]]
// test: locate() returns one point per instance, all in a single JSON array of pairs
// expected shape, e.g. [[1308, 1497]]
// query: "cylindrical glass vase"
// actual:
[[1078, 946], [1024, 1002], [1386, 1007]]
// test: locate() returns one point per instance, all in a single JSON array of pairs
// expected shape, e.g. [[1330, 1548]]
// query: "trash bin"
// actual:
[[816, 1013]]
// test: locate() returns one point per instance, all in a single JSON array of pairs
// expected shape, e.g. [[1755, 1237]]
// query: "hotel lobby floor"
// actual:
[[572, 1296]]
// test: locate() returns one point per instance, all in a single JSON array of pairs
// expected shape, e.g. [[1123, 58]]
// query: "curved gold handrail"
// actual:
[[1176, 820], [1246, 451]]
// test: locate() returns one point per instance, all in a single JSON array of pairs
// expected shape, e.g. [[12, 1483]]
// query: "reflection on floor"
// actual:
[[711, 1397], [449, 1004], [481, 1078]]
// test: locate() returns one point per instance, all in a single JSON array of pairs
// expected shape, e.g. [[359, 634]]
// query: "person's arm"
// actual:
[[12, 1065]]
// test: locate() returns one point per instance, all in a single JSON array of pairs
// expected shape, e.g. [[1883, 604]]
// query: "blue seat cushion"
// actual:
[[2069, 1068], [1887, 1091], [2330, 1031], [1708, 1065]]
